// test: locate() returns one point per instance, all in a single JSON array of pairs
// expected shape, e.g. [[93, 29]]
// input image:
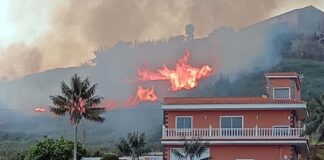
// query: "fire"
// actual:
[[142, 94], [109, 105], [39, 109], [184, 76]]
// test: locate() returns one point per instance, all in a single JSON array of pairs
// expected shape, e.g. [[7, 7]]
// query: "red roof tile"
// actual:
[[221, 100], [281, 74]]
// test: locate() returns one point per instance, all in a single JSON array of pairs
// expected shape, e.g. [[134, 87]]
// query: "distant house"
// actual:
[[240, 128], [150, 156], [308, 21]]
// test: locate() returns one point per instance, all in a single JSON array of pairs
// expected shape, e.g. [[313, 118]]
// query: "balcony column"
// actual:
[[210, 130], [256, 130], [163, 130]]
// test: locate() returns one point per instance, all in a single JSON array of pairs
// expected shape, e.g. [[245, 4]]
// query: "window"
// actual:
[[184, 122], [281, 93], [231, 122]]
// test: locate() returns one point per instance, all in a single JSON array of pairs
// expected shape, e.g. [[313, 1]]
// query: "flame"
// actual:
[[142, 94], [110, 105], [184, 76], [39, 109]]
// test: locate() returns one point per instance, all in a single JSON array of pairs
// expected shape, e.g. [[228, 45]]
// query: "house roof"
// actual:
[[281, 74], [227, 100]]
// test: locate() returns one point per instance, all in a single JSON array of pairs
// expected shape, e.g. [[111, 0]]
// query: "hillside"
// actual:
[[253, 84]]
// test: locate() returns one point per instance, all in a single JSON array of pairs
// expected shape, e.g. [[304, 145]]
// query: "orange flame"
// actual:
[[184, 76], [39, 109], [142, 95], [109, 105]]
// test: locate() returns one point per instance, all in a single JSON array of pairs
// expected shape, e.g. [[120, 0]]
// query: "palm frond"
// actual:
[[95, 111], [319, 101], [89, 92], [76, 85], [66, 90], [178, 154], [194, 148], [312, 126], [58, 111], [93, 114], [94, 101], [320, 128], [124, 148], [59, 101]]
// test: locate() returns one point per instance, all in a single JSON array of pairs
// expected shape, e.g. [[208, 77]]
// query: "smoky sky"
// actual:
[[76, 28]]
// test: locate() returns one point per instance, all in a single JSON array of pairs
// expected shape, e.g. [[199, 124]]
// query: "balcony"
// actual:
[[232, 133]]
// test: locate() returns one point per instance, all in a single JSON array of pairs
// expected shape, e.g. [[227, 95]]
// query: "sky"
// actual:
[[38, 35]]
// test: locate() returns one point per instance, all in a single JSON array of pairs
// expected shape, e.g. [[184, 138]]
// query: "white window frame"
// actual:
[[220, 120], [176, 121], [282, 126], [273, 92]]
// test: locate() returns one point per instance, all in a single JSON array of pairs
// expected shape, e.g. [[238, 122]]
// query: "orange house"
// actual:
[[240, 128]]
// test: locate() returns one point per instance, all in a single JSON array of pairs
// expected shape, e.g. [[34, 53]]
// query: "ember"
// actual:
[[109, 105], [39, 109], [184, 76]]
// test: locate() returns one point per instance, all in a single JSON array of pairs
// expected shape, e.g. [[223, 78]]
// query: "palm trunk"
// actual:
[[75, 142]]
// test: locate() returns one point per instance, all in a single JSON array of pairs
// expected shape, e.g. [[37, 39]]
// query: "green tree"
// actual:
[[53, 149], [110, 156], [78, 101], [134, 145], [192, 148], [315, 122]]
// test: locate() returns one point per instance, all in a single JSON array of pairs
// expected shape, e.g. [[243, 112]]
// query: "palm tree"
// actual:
[[78, 101], [192, 148], [134, 145], [315, 122]]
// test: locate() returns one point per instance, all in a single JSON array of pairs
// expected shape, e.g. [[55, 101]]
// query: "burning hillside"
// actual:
[[183, 77]]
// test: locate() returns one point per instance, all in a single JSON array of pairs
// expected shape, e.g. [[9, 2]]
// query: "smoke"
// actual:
[[19, 59], [73, 29], [80, 27]]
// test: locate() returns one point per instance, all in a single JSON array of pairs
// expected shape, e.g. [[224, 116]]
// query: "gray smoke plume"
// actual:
[[74, 28]]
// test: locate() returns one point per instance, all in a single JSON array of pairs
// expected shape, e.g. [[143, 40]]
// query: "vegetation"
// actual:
[[59, 149], [315, 122], [317, 152], [252, 84], [192, 148], [79, 102], [134, 146], [307, 48], [110, 156]]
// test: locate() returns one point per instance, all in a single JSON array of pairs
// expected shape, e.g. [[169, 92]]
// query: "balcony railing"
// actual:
[[232, 133]]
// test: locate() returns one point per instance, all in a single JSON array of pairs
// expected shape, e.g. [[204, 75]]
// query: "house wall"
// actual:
[[284, 82], [256, 152], [251, 118]]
